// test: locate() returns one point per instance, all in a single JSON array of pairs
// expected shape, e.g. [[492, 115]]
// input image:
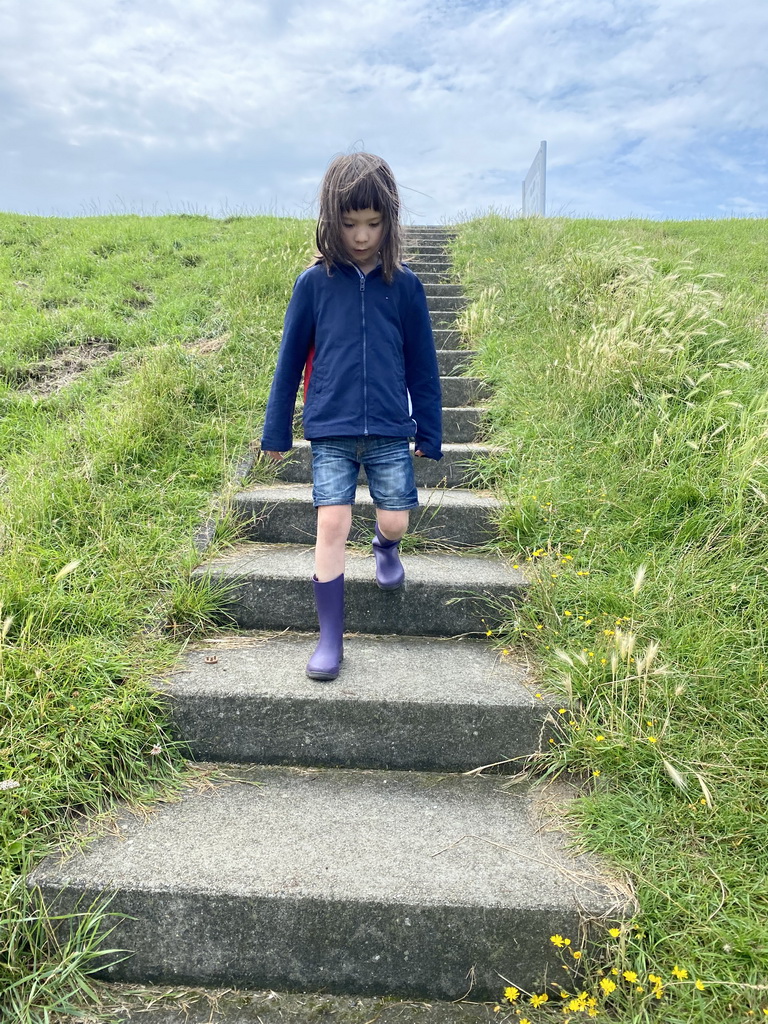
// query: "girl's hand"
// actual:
[[419, 453], [275, 456]]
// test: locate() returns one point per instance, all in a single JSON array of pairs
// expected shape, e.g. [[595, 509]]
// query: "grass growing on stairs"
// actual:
[[630, 361], [104, 477]]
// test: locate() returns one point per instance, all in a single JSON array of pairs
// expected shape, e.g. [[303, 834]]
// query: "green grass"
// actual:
[[631, 438], [102, 486], [632, 408]]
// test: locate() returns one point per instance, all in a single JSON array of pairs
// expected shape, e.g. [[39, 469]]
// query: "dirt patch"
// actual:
[[59, 370]]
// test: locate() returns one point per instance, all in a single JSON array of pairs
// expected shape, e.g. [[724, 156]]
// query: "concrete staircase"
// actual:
[[338, 845]]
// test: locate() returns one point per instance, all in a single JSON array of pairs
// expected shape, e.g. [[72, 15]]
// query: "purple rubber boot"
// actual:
[[389, 569], [329, 653]]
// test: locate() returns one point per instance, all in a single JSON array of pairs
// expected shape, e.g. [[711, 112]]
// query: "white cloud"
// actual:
[[456, 95]]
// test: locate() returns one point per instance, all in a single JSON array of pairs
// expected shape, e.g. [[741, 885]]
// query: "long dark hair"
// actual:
[[359, 181]]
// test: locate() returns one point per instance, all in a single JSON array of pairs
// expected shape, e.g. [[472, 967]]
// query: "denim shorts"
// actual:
[[388, 466]]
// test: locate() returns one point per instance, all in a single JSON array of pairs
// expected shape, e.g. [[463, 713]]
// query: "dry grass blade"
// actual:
[[677, 777]]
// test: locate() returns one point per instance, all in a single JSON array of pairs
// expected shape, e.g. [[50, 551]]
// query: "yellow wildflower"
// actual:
[[576, 954], [615, 932], [630, 976], [701, 986], [607, 986], [567, 613], [511, 993], [539, 1000], [652, 739], [679, 972], [557, 940]]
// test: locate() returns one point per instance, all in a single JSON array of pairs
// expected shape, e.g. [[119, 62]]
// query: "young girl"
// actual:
[[358, 327]]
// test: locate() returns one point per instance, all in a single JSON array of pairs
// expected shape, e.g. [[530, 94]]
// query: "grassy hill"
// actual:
[[629, 360]]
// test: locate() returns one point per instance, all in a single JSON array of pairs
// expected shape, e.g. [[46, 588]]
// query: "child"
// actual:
[[358, 326]]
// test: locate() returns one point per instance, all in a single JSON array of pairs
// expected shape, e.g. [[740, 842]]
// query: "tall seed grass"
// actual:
[[630, 365]]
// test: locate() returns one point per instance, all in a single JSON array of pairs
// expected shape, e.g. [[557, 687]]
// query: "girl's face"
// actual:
[[362, 232]]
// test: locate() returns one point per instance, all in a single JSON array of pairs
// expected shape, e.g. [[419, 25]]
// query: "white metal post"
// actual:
[[535, 185]]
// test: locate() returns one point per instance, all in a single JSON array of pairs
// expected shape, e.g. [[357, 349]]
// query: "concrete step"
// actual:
[[284, 514], [445, 291], [433, 261], [454, 361], [434, 276], [346, 881], [446, 303], [453, 470], [463, 391], [422, 266], [426, 258], [137, 1004], [399, 703], [442, 317], [446, 337], [434, 237], [462, 425], [444, 595], [430, 231], [429, 242]]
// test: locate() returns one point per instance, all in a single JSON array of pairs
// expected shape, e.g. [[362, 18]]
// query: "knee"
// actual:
[[333, 523], [392, 524]]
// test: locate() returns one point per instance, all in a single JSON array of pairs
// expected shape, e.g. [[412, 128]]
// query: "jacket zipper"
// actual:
[[365, 352]]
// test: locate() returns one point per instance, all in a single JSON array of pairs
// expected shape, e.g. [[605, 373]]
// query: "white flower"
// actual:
[[9, 784]]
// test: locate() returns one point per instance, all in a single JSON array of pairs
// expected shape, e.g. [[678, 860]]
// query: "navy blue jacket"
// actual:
[[373, 347]]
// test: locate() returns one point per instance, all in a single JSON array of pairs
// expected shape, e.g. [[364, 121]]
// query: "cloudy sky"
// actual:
[[651, 108]]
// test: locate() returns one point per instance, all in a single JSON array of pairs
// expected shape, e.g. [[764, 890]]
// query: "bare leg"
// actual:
[[333, 526], [392, 525]]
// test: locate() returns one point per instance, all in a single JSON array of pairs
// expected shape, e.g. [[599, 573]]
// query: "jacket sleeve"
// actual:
[[422, 376], [298, 338]]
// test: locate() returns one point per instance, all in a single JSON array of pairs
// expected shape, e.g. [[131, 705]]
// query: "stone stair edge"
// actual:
[[445, 594], [471, 878], [403, 704], [427, 495]]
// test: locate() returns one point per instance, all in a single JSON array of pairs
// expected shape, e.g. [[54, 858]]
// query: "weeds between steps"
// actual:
[[629, 362]]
